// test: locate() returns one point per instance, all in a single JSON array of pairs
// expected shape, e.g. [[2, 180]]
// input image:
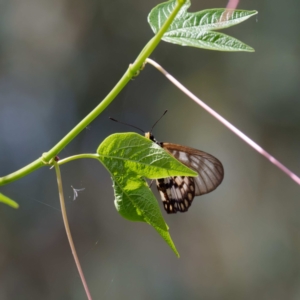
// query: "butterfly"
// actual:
[[178, 192]]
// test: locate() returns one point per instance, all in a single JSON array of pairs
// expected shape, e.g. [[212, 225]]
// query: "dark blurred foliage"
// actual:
[[58, 59]]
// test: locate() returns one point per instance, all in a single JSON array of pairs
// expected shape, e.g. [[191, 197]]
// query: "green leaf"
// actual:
[[129, 157], [195, 29], [130, 151], [210, 40], [8, 201]]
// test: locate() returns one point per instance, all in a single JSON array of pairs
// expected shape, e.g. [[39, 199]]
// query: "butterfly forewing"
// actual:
[[209, 168]]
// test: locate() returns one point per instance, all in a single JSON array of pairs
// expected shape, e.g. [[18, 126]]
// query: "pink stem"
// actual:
[[68, 230], [259, 149], [232, 4]]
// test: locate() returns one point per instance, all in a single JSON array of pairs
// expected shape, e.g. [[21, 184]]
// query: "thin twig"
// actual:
[[240, 134], [68, 231]]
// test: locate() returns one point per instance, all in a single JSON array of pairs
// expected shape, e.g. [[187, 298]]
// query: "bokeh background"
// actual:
[[58, 60]]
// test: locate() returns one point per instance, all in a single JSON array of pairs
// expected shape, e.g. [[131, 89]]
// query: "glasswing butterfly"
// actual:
[[178, 192]]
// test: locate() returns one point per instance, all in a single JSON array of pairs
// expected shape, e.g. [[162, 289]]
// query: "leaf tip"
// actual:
[[251, 49]]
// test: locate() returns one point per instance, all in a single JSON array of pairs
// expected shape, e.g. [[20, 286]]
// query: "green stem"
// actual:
[[22, 172], [129, 74], [79, 156], [4, 199], [152, 44]]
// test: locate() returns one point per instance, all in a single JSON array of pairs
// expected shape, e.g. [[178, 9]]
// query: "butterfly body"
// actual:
[[178, 192]]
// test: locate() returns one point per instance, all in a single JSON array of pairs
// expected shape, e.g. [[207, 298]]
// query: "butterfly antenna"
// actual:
[[158, 120], [127, 124]]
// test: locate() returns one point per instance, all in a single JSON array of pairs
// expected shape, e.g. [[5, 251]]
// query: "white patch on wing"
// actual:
[[183, 157]]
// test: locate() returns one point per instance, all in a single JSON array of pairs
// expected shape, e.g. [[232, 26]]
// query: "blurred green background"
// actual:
[[58, 59]]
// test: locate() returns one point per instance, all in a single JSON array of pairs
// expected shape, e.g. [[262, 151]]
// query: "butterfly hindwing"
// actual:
[[177, 193]]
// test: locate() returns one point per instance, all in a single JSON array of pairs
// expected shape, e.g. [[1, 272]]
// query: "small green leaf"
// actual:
[[133, 152], [210, 40], [195, 29], [8, 201]]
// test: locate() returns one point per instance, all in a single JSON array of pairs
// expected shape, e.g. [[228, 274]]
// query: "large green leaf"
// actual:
[[195, 29], [129, 157]]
